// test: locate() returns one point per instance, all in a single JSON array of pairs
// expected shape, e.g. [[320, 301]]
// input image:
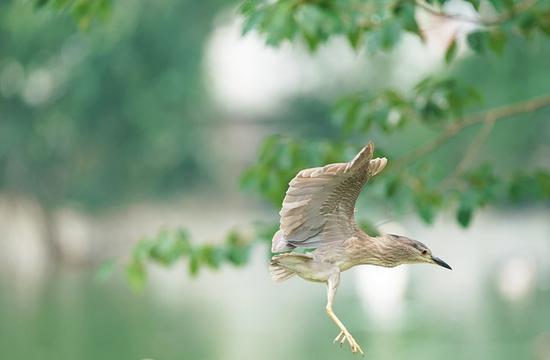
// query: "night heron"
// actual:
[[318, 213]]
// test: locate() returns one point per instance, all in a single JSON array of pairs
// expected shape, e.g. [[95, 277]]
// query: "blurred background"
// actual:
[[145, 122]]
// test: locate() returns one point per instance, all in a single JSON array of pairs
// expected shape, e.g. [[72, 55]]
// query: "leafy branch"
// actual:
[[169, 247], [492, 115], [281, 157], [442, 104], [379, 25], [510, 13], [84, 11]]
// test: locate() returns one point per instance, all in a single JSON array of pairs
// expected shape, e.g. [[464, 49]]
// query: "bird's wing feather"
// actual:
[[319, 203]]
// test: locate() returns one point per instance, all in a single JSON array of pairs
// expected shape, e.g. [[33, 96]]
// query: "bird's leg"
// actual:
[[332, 285]]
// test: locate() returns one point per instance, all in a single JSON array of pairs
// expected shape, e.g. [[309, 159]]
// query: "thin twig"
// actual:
[[471, 152], [475, 146], [453, 129]]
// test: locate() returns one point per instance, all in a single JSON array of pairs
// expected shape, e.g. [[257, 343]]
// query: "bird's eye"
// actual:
[[424, 252]]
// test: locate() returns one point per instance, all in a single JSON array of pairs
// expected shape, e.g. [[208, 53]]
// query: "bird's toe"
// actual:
[[345, 336]]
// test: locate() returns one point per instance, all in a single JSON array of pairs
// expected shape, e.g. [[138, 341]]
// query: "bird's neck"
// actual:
[[374, 250]]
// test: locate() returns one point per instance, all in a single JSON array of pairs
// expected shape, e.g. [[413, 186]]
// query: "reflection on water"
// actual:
[[74, 317], [495, 304]]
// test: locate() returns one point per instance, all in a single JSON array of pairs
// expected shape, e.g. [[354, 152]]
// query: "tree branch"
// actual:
[[471, 152], [456, 127], [478, 21]]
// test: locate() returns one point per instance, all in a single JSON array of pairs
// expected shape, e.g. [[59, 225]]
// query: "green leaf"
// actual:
[[169, 248], [143, 249], [425, 208], [390, 34], [238, 256], [474, 197], [483, 186], [451, 51], [280, 24], [464, 215], [41, 3], [373, 41], [238, 250], [543, 21], [248, 7], [212, 256], [427, 203], [527, 22], [252, 21], [478, 41], [346, 113], [311, 40], [475, 3], [530, 187], [354, 38], [497, 4], [543, 179], [135, 274], [497, 40], [405, 12], [392, 187], [425, 211], [193, 264]]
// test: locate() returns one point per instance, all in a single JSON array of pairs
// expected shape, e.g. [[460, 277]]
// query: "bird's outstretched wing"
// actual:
[[319, 204]]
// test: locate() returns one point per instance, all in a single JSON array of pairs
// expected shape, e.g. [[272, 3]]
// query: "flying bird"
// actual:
[[318, 213]]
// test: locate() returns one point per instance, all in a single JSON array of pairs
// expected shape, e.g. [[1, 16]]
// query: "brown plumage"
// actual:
[[318, 213]]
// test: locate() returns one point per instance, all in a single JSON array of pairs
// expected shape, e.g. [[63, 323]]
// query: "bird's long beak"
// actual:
[[440, 262]]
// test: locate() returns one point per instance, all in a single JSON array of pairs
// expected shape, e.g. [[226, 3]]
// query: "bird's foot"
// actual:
[[346, 336]]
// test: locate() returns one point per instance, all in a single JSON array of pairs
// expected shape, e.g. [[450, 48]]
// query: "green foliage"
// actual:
[[525, 187], [433, 101], [84, 11], [387, 110], [478, 41], [404, 185], [168, 247], [104, 117], [450, 53], [379, 24], [443, 104], [445, 99], [281, 158], [427, 203], [481, 186], [497, 40], [440, 109]]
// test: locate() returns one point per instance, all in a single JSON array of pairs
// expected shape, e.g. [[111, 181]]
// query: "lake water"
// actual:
[[72, 316]]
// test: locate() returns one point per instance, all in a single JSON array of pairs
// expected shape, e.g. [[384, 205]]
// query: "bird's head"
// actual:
[[413, 252]]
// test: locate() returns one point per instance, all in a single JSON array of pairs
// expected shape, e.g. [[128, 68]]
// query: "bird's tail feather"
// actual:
[[284, 266], [279, 273]]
